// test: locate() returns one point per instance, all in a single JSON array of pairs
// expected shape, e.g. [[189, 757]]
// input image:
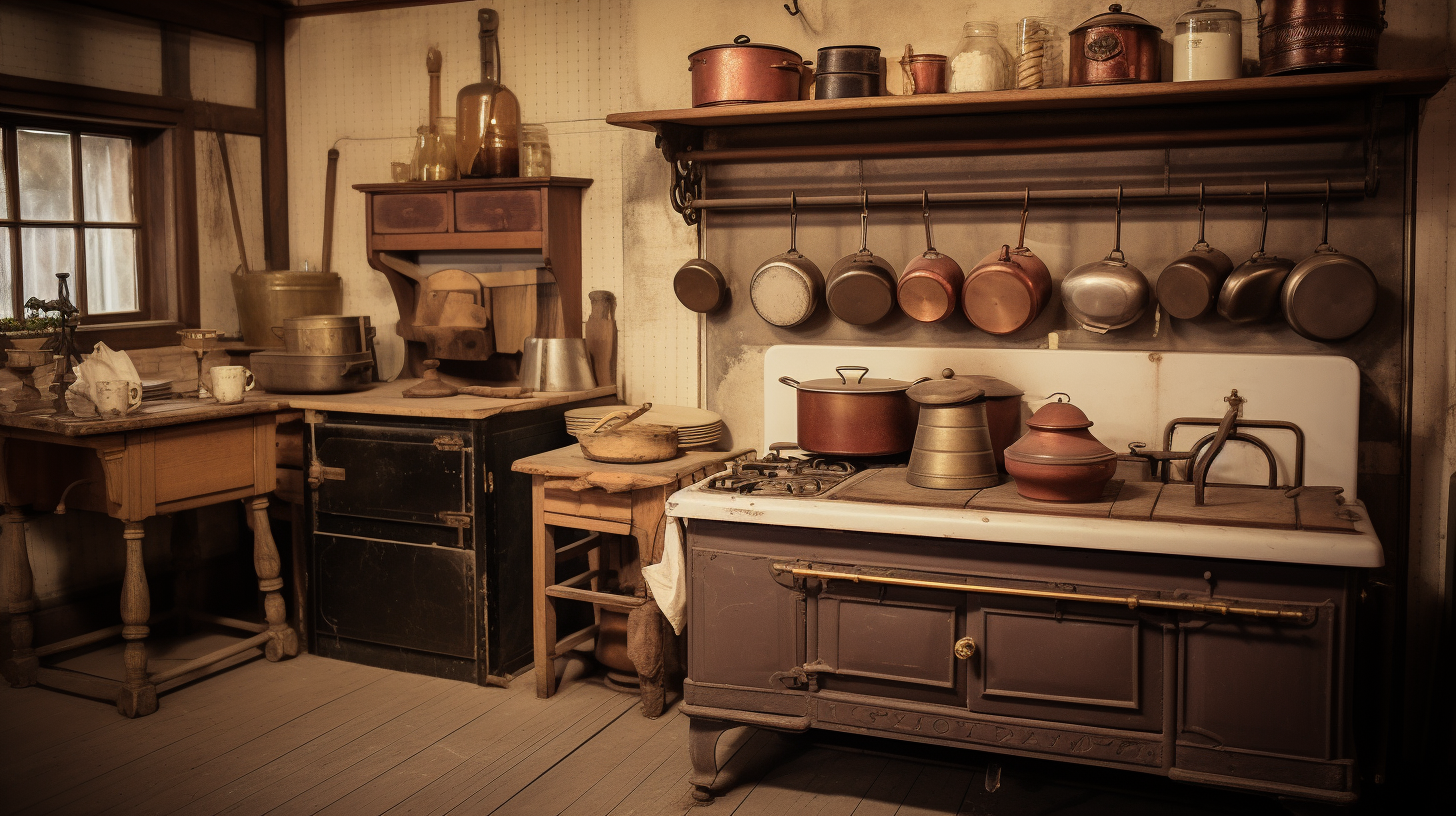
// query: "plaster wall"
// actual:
[[63, 42]]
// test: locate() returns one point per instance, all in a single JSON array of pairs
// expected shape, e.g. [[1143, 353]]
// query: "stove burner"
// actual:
[[780, 475]]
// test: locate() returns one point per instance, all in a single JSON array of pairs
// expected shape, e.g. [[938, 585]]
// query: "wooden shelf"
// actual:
[[1408, 82]]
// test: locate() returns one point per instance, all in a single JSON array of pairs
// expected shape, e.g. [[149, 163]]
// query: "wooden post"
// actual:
[[543, 574], [283, 641], [21, 666], [138, 697]]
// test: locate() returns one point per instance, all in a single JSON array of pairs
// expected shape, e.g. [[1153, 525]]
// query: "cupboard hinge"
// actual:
[[489, 482], [449, 442], [454, 519]]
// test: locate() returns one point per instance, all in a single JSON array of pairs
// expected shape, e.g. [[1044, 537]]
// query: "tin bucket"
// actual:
[[266, 299]]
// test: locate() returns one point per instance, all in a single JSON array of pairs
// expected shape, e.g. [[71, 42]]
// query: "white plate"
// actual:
[[677, 415]]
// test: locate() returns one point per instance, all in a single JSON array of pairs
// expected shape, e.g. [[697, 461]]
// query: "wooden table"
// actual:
[[168, 456], [568, 490]]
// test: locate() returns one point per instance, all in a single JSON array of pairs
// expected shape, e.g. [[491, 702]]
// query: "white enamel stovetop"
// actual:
[[1130, 396]]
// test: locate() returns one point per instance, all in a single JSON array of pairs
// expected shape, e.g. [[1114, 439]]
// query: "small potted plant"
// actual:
[[31, 331]]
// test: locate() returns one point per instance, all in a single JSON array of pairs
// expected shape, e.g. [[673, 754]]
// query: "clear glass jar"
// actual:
[[1038, 55], [443, 161], [1208, 43], [434, 157], [979, 63], [535, 151]]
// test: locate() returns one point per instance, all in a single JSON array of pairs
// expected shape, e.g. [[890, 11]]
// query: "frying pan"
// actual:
[[861, 285], [1251, 292], [785, 289], [1188, 287], [699, 284], [1008, 289], [1329, 295], [1107, 294], [931, 283]]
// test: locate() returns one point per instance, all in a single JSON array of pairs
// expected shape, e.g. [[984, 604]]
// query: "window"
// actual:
[[69, 202]]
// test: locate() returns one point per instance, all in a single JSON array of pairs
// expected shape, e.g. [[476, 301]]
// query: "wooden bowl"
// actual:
[[636, 444]]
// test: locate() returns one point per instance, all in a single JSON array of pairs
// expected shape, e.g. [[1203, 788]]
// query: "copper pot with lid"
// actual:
[[860, 287], [1008, 289], [1059, 459], [930, 286], [1318, 35], [1113, 48], [744, 71], [860, 417]]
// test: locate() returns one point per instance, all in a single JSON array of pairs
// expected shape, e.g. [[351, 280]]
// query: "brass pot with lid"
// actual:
[[952, 448], [1113, 48], [1059, 459]]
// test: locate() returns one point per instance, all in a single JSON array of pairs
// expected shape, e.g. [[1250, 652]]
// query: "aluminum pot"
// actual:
[[860, 288], [1003, 410], [1188, 287], [930, 286], [862, 417], [952, 437], [1318, 35], [1251, 291], [326, 334], [1329, 295], [1113, 48], [280, 372], [556, 364], [742, 72], [787, 288], [1107, 294], [1059, 459]]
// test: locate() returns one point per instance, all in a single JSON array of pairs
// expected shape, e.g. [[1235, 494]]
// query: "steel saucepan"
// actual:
[[786, 289], [1329, 295], [1251, 292], [860, 288], [1008, 290], [699, 284], [1107, 294], [930, 286], [863, 417], [1188, 287]]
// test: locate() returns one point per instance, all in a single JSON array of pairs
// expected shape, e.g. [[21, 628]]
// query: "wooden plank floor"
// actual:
[[313, 735]]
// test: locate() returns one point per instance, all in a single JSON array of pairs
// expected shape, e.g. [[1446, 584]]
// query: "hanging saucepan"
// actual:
[[1107, 294], [785, 289], [698, 284], [930, 286], [1329, 295], [860, 288], [860, 417], [1008, 289], [1252, 290], [1188, 287]]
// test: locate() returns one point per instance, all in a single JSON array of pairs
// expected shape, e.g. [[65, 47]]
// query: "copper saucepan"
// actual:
[[1008, 289], [930, 286]]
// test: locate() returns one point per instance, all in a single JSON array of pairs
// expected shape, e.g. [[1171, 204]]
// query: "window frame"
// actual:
[[10, 125]]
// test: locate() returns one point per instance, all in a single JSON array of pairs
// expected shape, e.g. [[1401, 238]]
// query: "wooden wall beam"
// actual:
[[275, 148]]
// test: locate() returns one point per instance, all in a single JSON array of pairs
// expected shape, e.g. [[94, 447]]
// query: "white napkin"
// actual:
[[668, 577], [102, 365]]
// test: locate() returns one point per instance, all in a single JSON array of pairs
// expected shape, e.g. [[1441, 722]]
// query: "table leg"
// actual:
[[21, 666], [543, 574], [138, 697], [644, 624], [283, 641]]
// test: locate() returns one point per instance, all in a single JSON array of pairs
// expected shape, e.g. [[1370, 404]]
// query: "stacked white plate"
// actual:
[[695, 426], [156, 390]]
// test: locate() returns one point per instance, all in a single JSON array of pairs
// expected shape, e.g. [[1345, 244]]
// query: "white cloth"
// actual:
[[668, 577], [102, 365]]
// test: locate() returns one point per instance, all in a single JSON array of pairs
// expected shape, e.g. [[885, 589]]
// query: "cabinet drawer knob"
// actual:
[[964, 648]]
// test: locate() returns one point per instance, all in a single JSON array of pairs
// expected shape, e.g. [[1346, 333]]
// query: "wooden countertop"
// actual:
[[388, 398], [150, 415], [568, 463]]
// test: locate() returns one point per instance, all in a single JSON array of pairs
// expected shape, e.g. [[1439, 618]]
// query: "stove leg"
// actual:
[[703, 736]]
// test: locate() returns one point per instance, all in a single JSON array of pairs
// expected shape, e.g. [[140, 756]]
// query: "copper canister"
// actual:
[[1113, 48], [1059, 459], [1318, 35]]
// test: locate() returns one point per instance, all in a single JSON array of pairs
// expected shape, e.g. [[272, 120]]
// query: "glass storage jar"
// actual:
[[979, 63], [1038, 55], [1208, 43], [535, 151]]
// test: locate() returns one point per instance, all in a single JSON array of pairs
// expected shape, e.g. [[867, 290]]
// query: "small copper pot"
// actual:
[[926, 73], [1059, 459], [930, 286], [742, 72], [1113, 48]]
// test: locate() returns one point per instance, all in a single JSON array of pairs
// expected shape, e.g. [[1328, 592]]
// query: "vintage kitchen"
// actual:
[[633, 406]]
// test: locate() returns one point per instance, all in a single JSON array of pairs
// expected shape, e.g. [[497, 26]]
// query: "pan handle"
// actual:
[[863, 370], [789, 381]]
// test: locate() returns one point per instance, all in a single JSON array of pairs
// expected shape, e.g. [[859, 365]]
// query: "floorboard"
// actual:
[[312, 735]]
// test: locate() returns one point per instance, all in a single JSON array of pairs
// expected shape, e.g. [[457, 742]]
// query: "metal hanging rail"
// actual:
[[1247, 192]]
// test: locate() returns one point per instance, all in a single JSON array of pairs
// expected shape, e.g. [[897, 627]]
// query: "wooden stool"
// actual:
[[569, 490]]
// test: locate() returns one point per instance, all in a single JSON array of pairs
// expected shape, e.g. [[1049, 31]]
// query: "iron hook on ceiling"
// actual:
[[793, 12]]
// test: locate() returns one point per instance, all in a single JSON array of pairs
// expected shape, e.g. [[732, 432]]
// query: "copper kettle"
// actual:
[[1008, 289]]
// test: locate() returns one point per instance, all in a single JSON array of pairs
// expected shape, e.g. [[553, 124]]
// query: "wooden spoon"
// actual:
[[597, 428]]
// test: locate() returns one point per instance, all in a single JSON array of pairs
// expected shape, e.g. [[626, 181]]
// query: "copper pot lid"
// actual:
[[849, 384], [1058, 416], [742, 41], [952, 388], [1058, 435], [1115, 16]]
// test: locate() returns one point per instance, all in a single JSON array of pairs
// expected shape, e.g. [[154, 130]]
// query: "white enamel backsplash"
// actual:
[[1130, 396]]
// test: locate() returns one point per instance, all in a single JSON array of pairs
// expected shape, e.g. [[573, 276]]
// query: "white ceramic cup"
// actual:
[[229, 383], [114, 398]]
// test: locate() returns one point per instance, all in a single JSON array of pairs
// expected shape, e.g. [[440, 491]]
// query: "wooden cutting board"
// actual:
[[1231, 506]]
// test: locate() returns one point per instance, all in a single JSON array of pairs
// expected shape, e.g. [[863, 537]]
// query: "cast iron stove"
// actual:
[[780, 474]]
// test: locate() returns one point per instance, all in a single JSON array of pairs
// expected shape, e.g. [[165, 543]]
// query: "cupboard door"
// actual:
[[1090, 668], [742, 623], [418, 476], [891, 641]]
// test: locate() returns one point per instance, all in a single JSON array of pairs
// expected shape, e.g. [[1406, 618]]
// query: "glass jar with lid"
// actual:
[[1208, 44], [535, 151], [979, 63]]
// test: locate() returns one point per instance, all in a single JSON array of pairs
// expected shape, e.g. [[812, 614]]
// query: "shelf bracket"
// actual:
[[677, 144]]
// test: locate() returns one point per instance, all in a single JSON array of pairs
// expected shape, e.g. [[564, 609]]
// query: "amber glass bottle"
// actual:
[[488, 115]]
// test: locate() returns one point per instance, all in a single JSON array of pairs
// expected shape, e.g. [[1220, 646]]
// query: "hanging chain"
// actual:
[[687, 187]]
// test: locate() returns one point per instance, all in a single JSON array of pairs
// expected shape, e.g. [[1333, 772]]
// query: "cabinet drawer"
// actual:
[[889, 641], [498, 211], [411, 212]]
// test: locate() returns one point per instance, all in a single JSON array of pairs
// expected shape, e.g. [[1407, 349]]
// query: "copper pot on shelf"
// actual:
[[1113, 48], [1059, 459], [1318, 35], [744, 71]]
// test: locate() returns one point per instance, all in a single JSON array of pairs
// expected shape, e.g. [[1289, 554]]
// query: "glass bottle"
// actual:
[[979, 63], [535, 151], [488, 114]]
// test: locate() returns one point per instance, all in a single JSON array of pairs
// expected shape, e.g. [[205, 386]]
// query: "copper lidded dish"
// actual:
[[1113, 48], [1058, 459]]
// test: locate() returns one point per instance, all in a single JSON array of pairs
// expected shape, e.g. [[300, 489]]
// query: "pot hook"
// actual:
[[793, 222], [1201, 243], [1117, 232], [1025, 207], [1325, 212], [925, 210], [1264, 228], [700, 237], [864, 222]]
